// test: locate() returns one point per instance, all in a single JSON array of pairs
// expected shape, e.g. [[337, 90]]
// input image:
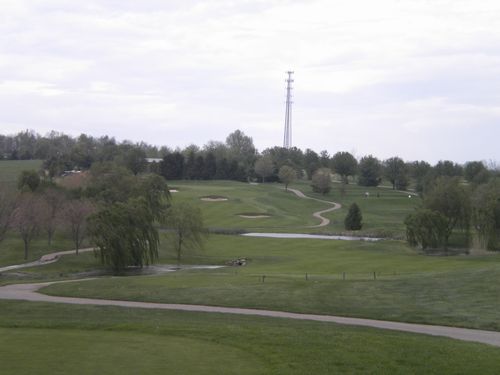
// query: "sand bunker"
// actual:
[[254, 216], [214, 198]]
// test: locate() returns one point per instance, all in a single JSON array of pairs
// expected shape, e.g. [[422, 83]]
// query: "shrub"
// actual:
[[353, 220]]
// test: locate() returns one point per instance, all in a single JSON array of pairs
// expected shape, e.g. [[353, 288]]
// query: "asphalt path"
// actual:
[[29, 292], [318, 215], [45, 259]]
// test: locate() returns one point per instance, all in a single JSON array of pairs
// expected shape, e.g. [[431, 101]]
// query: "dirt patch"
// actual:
[[214, 198]]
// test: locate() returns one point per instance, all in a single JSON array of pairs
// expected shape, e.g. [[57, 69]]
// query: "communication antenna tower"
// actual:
[[287, 138]]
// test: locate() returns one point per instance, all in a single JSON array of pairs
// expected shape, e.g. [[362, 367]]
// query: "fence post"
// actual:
[[343, 275], [374, 276], [307, 276]]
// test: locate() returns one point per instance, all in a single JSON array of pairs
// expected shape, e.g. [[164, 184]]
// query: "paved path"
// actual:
[[318, 214], [45, 259], [28, 292]]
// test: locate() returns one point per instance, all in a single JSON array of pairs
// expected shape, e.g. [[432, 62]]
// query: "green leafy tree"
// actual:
[[345, 165], [426, 228], [210, 166], [485, 202], [476, 172], [324, 159], [418, 171], [134, 159], [311, 162], [396, 172], [199, 168], [110, 183], [190, 168], [287, 175], [28, 181], [155, 191], [354, 219], [451, 200], [264, 166], [369, 171], [185, 223], [447, 168], [241, 148], [124, 234], [322, 181], [172, 166]]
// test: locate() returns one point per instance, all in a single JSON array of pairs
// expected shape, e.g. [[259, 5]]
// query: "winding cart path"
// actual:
[[318, 214], [28, 292]]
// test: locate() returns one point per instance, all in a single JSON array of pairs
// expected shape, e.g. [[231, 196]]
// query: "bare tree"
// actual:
[[7, 205], [75, 213], [26, 218], [53, 201]]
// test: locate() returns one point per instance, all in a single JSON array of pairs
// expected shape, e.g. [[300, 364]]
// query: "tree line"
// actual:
[[456, 197], [235, 159]]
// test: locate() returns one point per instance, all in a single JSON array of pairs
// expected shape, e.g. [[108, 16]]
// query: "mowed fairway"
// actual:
[[406, 286], [384, 210], [286, 211], [62, 339]]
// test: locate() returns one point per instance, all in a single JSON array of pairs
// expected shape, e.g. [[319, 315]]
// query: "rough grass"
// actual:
[[384, 280], [11, 169], [62, 339]]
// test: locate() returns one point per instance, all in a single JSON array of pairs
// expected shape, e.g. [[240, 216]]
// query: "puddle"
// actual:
[[311, 236]]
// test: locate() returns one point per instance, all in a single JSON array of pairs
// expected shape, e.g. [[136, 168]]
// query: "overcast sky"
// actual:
[[414, 78]]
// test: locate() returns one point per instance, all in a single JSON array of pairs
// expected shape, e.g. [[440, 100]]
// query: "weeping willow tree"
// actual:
[[124, 234]]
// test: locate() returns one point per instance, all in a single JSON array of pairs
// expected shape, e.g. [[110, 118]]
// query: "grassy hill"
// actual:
[[11, 169], [381, 280]]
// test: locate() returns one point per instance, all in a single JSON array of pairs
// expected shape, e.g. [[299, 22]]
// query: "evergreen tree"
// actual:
[[353, 220]]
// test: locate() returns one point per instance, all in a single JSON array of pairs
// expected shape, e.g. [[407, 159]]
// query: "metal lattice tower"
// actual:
[[287, 138]]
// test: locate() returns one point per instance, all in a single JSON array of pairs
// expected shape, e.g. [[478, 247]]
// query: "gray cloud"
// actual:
[[387, 77]]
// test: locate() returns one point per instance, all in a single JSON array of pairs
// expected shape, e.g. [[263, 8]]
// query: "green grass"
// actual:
[[60, 339], [384, 211], [459, 290], [409, 286], [12, 248], [287, 212], [383, 216], [11, 169]]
